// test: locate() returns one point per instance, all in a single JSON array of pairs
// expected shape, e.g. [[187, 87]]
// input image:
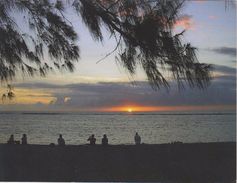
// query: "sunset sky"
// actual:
[[106, 86]]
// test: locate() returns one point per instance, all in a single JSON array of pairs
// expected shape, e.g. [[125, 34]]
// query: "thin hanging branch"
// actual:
[[110, 53], [145, 29], [147, 38]]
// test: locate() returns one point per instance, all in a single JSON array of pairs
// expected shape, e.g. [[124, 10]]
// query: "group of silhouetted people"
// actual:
[[61, 141], [11, 140], [91, 139], [104, 140]]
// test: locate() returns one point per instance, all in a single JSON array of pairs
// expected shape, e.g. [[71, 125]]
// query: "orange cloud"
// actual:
[[30, 96], [185, 22]]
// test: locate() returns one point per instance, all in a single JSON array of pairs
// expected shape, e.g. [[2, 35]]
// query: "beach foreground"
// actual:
[[197, 162]]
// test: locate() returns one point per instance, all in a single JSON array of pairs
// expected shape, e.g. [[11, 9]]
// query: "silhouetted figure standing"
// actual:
[[61, 141], [11, 140], [24, 139], [92, 139], [104, 140], [137, 139]]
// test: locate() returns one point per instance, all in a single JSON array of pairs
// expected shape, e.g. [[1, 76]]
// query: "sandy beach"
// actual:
[[197, 162]]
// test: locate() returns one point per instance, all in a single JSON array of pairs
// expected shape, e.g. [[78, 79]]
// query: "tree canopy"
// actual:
[[143, 30]]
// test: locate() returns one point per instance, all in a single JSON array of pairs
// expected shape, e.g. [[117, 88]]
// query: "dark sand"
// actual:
[[199, 162]]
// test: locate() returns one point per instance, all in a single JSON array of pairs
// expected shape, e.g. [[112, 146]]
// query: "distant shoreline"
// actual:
[[187, 162]]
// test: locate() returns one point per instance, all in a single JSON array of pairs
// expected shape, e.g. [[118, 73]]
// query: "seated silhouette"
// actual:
[[51, 144], [137, 139], [92, 139], [61, 141], [104, 140], [11, 140], [24, 139]]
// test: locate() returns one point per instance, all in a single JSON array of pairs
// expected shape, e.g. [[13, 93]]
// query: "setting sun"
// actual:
[[130, 110]]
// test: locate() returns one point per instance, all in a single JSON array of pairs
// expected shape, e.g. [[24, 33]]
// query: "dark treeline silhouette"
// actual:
[[143, 31]]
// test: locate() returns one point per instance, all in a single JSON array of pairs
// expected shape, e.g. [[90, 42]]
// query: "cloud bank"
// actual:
[[222, 91], [231, 51]]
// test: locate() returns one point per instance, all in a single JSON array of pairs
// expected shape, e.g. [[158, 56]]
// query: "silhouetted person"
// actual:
[[24, 139], [11, 140], [104, 140], [92, 139], [137, 139], [61, 141]]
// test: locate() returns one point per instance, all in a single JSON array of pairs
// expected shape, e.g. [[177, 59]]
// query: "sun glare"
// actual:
[[129, 110]]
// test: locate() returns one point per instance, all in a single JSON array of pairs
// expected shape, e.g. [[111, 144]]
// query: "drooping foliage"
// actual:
[[9, 95], [143, 30], [145, 36], [22, 50]]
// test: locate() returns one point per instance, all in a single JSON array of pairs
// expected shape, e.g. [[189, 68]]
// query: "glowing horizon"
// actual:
[[137, 108], [45, 99]]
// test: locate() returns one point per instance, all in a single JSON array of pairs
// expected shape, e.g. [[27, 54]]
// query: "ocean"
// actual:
[[154, 128]]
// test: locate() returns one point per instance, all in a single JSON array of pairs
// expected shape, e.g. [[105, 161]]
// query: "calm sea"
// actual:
[[43, 128]]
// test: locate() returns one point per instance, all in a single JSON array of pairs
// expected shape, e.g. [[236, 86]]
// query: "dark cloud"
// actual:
[[224, 70], [225, 51], [37, 85], [222, 91]]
